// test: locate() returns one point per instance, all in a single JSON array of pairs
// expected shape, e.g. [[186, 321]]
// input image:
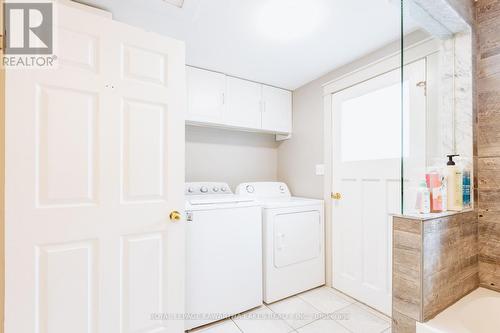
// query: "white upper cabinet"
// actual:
[[276, 110], [206, 95], [244, 100], [216, 99]]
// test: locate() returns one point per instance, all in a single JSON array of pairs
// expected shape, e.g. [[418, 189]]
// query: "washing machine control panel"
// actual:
[[207, 188]]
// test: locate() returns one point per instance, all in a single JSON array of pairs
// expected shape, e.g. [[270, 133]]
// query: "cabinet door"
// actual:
[[206, 94], [243, 103], [277, 110]]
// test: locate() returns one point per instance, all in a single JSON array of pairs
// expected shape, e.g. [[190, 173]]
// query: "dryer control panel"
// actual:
[[264, 189]]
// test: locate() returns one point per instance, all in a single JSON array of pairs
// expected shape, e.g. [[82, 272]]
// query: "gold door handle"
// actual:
[[175, 216], [336, 196]]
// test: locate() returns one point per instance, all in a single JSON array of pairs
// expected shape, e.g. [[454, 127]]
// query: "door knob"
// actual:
[[175, 216], [336, 196]]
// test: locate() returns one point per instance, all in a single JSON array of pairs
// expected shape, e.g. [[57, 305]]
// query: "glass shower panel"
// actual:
[[436, 106]]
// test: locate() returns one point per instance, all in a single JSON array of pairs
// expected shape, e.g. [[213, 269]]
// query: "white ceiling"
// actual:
[[282, 47]]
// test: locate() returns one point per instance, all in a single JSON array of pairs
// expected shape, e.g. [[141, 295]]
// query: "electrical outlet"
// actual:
[[320, 169]]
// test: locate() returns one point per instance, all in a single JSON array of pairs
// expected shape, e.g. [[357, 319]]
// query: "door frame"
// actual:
[[412, 53]]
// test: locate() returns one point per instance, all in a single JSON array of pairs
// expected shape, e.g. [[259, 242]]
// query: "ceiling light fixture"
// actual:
[[285, 20], [177, 3]]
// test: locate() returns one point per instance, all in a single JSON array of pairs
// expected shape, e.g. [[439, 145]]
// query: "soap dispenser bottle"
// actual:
[[454, 185]]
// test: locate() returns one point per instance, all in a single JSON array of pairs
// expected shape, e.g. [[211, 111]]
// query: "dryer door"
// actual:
[[297, 235]]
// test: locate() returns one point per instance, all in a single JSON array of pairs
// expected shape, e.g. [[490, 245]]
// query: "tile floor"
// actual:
[[321, 310]]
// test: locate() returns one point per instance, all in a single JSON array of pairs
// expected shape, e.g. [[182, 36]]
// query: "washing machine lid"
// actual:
[[204, 202], [217, 199]]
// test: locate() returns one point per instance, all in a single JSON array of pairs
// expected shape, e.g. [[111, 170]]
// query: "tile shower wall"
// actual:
[[488, 140]]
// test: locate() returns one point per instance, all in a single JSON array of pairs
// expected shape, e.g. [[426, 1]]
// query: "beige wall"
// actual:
[[230, 156], [298, 156]]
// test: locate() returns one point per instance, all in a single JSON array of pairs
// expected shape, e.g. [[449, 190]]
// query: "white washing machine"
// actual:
[[293, 240], [223, 253]]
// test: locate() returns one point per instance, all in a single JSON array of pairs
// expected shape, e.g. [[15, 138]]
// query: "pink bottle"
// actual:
[[435, 185]]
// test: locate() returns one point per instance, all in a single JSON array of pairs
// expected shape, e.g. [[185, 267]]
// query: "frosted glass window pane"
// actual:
[[371, 125]]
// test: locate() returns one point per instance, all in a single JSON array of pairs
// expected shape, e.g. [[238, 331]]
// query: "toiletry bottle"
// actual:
[[434, 183], [454, 185], [423, 199], [444, 191], [466, 186]]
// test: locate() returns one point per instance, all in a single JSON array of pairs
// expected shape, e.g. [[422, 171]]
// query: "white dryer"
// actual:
[[223, 253], [293, 240]]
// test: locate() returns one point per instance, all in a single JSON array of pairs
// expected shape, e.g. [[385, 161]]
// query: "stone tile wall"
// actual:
[[488, 140]]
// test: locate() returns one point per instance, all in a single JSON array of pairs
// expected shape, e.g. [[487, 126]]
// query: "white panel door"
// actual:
[[206, 95], [367, 145], [244, 100], [94, 166], [277, 110]]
